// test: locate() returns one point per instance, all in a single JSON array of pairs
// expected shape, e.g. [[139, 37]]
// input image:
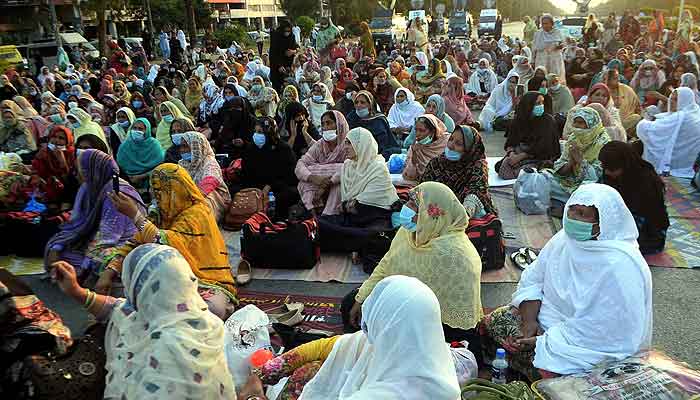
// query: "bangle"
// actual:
[[140, 221], [88, 298]]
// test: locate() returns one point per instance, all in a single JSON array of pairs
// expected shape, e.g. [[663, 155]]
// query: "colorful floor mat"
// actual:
[[319, 312], [22, 266], [683, 236]]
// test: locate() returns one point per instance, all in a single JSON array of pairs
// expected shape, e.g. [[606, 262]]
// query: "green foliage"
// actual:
[[306, 24], [172, 12], [349, 12], [235, 32], [296, 8]]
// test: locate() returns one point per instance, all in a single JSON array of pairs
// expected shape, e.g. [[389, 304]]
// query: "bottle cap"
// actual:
[[501, 353], [260, 357]]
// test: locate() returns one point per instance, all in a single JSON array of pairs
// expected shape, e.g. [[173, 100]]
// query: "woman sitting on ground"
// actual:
[[562, 99], [268, 164], [169, 113], [587, 298], [403, 114], [138, 155], [366, 115], [178, 126], [263, 99], [184, 221], [431, 82], [641, 189], [435, 106], [301, 130], [160, 96], [533, 138], [345, 103], [316, 168], [431, 246], [348, 366], [464, 170], [87, 134], [501, 102], [366, 192], [55, 164], [174, 328], [625, 100], [455, 103], [431, 141], [540, 85], [578, 163], [119, 130], [198, 158], [15, 135], [600, 94], [482, 81], [319, 102], [671, 139], [96, 227]]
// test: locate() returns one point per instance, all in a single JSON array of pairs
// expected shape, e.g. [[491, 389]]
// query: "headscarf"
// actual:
[[690, 81], [500, 103], [522, 66], [211, 101], [586, 138], [482, 75], [118, 129], [45, 162], [163, 339], [27, 110], [98, 169], [401, 313], [439, 102], [203, 163], [87, 127], [120, 90], [562, 99], [366, 178], [193, 97], [250, 71], [601, 285], [322, 149], [455, 105], [419, 155], [292, 91], [163, 130], [428, 78], [404, 115], [654, 82], [136, 157]]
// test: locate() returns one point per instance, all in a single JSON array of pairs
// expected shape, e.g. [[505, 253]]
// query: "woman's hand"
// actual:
[[252, 388], [104, 283], [293, 129], [124, 204], [319, 180], [356, 314], [65, 277]]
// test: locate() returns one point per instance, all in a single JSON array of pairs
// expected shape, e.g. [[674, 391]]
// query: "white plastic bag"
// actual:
[[465, 363], [531, 191], [246, 333]]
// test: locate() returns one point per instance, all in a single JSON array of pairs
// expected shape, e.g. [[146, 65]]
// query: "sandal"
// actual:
[[245, 273], [519, 258]]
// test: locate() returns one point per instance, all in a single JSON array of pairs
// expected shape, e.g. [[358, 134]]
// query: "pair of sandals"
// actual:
[[523, 257]]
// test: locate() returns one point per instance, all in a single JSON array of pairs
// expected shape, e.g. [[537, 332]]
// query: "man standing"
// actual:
[[296, 31], [260, 40]]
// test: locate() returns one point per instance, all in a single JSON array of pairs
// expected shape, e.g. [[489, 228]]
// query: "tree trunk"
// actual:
[[191, 23], [101, 27]]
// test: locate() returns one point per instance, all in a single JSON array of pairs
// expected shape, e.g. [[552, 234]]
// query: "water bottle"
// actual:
[[499, 368], [271, 205]]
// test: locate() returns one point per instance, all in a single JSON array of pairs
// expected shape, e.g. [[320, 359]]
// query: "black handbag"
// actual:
[[283, 245], [486, 234], [375, 249]]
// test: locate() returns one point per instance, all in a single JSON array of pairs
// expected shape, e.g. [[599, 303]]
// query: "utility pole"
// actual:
[[150, 25], [54, 23], [680, 17]]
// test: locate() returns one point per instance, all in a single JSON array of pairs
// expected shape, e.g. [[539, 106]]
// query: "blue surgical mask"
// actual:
[[406, 218], [426, 140], [259, 139], [138, 135], [125, 124], [452, 155], [317, 98], [137, 104], [257, 86], [57, 119], [362, 112], [556, 87], [75, 125], [186, 156], [177, 138], [538, 110], [229, 98], [168, 118], [578, 230]]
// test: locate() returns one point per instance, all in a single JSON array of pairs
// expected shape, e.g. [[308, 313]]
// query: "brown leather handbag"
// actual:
[[245, 203]]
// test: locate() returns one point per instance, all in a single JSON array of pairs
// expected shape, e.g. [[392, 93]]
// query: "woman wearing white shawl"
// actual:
[[250, 71], [688, 80], [403, 115], [588, 296], [212, 100], [482, 75], [153, 73], [547, 48], [317, 107], [671, 141], [182, 39], [500, 103], [522, 66], [400, 352], [648, 78]]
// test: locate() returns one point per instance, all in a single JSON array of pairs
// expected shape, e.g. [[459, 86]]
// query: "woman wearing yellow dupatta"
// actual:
[[431, 82], [578, 163], [169, 113], [184, 221], [432, 245], [193, 95]]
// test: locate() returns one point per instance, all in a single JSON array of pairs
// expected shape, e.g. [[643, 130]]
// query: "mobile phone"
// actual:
[[115, 184]]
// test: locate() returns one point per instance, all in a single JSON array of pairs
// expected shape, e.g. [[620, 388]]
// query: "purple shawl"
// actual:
[[97, 169]]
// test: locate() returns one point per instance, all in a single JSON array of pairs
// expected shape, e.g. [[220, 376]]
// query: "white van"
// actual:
[[487, 22], [48, 49]]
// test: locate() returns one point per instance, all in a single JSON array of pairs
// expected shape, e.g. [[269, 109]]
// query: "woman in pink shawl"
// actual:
[[463, 63], [455, 105], [319, 168]]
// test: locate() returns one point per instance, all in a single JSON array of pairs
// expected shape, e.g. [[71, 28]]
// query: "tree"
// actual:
[[306, 24], [296, 8]]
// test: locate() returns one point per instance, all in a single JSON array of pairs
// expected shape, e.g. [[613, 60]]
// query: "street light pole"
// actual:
[[54, 22]]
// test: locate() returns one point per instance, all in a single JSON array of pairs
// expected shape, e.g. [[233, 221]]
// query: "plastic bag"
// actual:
[[396, 163], [34, 206], [531, 192], [646, 375], [465, 362], [246, 332]]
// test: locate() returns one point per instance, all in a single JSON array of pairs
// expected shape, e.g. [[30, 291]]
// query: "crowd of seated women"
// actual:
[[137, 160]]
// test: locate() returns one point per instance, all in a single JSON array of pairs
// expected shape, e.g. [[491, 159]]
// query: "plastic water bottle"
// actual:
[[271, 205], [499, 368]]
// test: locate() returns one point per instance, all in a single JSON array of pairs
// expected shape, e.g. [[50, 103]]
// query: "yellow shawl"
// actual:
[[439, 254]]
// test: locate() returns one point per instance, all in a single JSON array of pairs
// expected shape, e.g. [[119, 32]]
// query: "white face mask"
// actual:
[[72, 104], [53, 147], [348, 95], [330, 135]]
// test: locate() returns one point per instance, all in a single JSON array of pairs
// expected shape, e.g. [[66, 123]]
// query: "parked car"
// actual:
[[10, 57], [571, 26]]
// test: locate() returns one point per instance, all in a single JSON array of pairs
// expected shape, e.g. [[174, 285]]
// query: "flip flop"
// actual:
[[519, 258], [530, 254]]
